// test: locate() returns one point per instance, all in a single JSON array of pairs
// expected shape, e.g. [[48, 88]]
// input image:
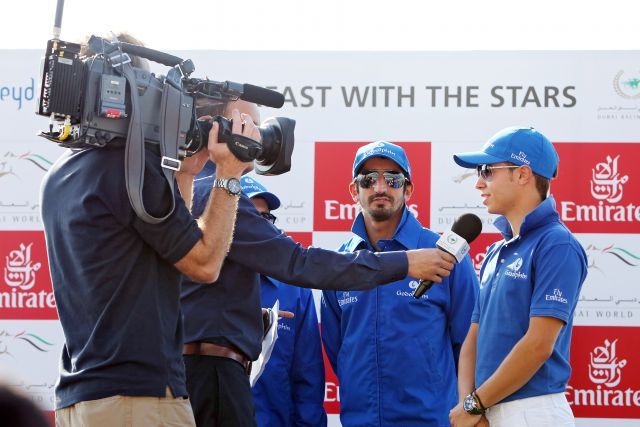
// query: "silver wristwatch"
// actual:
[[472, 406], [232, 185]]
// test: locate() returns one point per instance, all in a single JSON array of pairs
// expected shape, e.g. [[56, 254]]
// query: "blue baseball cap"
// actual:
[[382, 149], [519, 145], [253, 188]]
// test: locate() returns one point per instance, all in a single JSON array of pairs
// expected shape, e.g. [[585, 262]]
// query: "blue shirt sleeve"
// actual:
[[307, 370], [475, 315], [463, 288], [559, 273], [330, 316], [260, 246]]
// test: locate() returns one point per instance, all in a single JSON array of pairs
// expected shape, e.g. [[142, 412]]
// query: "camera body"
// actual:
[[88, 101]]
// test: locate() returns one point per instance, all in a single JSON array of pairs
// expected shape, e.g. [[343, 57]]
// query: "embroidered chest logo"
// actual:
[[513, 270], [347, 299]]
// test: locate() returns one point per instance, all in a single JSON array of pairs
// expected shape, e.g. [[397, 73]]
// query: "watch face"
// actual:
[[234, 186], [467, 403]]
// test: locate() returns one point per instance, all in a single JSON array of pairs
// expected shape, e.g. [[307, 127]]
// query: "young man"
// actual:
[[395, 356], [223, 321], [290, 391], [514, 364]]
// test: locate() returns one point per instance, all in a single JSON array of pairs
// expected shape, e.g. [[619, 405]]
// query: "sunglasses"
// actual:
[[485, 171], [269, 217], [393, 179]]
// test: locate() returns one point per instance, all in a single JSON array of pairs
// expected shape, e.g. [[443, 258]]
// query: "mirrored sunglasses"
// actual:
[[393, 179]]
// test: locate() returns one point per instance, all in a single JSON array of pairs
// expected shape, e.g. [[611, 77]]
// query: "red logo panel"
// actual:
[[478, 248], [334, 210], [25, 289], [305, 238], [605, 377], [598, 187], [331, 388]]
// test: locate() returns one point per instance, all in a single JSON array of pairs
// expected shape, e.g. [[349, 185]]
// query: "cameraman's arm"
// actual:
[[203, 262], [188, 170]]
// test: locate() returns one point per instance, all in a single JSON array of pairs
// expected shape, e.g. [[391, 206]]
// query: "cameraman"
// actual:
[[116, 280], [223, 321]]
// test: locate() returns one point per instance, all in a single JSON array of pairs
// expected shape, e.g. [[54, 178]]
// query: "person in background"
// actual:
[[290, 391]]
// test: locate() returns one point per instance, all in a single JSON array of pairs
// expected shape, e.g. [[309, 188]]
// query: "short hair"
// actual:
[[542, 185], [123, 37]]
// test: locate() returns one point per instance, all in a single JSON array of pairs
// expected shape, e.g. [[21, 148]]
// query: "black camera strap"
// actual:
[[135, 150]]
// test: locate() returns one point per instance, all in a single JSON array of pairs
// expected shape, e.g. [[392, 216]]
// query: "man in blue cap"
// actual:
[[514, 364], [290, 391], [395, 356]]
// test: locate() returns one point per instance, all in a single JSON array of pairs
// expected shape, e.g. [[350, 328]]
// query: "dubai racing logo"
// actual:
[[606, 180], [19, 270], [627, 85], [604, 366]]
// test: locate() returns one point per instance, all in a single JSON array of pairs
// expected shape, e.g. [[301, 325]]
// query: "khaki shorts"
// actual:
[[128, 411]]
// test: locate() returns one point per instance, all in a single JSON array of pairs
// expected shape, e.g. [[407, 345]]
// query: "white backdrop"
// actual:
[[588, 103]]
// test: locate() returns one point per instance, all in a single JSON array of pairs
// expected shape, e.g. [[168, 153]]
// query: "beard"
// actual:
[[380, 214]]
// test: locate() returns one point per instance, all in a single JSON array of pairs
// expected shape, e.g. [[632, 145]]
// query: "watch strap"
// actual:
[[224, 183]]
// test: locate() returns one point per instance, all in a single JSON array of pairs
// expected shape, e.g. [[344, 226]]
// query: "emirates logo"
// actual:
[[19, 270], [605, 367], [606, 181]]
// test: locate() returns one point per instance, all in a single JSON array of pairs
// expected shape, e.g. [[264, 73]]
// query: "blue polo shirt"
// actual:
[[538, 273], [396, 356], [228, 312], [113, 275], [290, 391]]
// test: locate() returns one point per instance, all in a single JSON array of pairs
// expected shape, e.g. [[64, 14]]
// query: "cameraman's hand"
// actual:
[[430, 264], [191, 166], [227, 165]]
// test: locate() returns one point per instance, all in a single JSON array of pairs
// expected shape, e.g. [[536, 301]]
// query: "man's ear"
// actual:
[[353, 190], [408, 191], [525, 175]]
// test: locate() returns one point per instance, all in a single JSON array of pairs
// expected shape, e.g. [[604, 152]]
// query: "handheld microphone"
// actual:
[[455, 242]]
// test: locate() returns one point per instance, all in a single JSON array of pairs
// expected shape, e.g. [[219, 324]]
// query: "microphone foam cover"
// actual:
[[467, 226]]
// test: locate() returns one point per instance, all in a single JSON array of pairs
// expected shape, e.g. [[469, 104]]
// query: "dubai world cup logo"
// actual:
[[605, 367], [606, 181], [20, 270]]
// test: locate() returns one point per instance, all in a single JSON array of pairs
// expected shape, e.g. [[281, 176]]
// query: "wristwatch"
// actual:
[[232, 185], [472, 406]]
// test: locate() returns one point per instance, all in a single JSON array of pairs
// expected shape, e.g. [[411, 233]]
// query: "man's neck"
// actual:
[[381, 230], [520, 211]]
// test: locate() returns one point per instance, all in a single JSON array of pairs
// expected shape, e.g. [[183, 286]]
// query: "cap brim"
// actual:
[[474, 158], [356, 170], [272, 200]]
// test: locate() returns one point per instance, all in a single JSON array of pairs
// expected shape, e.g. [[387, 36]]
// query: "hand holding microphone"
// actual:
[[455, 244]]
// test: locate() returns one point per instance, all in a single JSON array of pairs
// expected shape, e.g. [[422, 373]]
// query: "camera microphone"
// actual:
[[255, 94], [455, 242]]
